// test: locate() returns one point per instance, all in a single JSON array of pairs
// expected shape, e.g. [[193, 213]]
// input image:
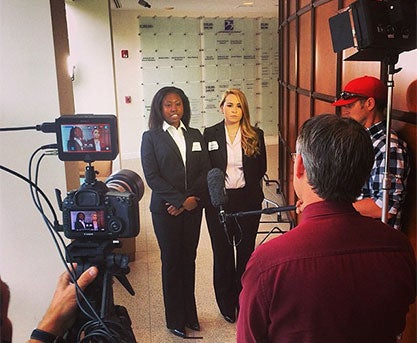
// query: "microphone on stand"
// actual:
[[215, 182], [218, 196]]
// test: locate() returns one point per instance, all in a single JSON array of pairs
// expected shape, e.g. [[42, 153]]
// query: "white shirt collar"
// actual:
[[166, 126]]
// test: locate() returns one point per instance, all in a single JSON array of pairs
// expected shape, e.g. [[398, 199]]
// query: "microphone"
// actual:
[[215, 182]]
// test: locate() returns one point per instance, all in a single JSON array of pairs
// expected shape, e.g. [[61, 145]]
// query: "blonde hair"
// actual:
[[250, 140]]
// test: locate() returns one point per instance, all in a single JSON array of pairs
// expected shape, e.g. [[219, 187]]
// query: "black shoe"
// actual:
[[178, 332], [230, 318], [193, 326]]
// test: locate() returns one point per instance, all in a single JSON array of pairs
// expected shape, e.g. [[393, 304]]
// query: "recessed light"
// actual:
[[246, 4]]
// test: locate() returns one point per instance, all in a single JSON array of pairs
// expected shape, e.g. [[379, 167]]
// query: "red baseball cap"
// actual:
[[360, 88]]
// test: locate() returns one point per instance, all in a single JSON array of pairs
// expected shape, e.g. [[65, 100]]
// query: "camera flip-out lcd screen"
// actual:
[[87, 137], [87, 221]]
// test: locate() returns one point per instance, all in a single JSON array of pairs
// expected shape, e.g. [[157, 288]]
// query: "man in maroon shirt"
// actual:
[[338, 276]]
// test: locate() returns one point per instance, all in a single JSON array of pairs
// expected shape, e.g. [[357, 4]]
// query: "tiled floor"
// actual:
[[146, 307]]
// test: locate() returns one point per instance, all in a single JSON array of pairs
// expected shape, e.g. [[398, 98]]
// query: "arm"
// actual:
[[158, 169], [262, 159], [372, 202], [368, 207], [61, 313], [6, 324]]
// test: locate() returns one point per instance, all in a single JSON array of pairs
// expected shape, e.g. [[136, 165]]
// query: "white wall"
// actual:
[[29, 262], [132, 122], [90, 43], [91, 53]]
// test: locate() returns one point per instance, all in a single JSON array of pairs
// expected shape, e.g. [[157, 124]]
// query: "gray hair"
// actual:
[[337, 154]]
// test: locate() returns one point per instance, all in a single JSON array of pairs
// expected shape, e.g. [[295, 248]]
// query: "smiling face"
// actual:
[[232, 110], [172, 109]]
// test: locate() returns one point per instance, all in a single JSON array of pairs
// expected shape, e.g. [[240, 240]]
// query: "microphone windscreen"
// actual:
[[215, 182]]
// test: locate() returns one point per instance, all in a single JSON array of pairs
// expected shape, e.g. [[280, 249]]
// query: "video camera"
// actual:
[[97, 210], [103, 210], [95, 216]]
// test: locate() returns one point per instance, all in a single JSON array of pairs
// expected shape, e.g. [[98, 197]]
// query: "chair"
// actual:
[[274, 198]]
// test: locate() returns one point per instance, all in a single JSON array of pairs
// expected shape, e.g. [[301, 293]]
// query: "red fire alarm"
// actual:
[[125, 53], [128, 99]]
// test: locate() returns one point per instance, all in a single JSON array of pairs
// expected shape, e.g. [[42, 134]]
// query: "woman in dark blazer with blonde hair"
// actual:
[[175, 164], [238, 149]]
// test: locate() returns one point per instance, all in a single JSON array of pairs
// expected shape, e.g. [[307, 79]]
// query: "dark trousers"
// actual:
[[178, 239], [241, 231]]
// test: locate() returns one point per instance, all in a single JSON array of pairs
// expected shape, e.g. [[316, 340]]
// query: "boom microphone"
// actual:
[[215, 182]]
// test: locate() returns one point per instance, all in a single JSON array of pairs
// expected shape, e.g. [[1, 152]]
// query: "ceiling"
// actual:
[[221, 8]]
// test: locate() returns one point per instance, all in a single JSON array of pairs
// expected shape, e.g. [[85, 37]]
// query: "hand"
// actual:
[[173, 211], [6, 324], [190, 203], [299, 206], [61, 313]]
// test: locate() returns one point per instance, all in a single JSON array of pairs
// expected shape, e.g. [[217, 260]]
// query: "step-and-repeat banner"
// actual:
[[205, 56]]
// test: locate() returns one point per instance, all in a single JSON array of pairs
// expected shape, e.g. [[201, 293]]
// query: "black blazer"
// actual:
[[72, 145], [164, 168], [254, 167]]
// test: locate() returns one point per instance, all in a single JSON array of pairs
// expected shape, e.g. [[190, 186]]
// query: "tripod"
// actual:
[[113, 323]]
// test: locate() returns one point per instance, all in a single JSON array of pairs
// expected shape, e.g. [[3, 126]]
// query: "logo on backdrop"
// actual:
[[229, 25]]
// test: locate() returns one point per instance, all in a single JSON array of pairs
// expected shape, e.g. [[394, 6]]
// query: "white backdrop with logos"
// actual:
[[204, 57]]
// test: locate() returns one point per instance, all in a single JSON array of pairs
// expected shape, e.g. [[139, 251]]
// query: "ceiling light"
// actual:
[[246, 4], [144, 3]]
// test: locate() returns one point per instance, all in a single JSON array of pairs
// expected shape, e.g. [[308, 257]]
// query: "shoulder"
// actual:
[[152, 132], [259, 131], [151, 136], [396, 141], [215, 127], [268, 258], [193, 130]]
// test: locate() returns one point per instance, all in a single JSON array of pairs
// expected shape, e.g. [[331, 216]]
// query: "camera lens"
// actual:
[[126, 180]]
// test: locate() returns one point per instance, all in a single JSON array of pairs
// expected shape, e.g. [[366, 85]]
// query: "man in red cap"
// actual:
[[365, 100]]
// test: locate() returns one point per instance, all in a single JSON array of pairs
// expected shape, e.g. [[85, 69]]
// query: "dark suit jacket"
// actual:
[[79, 225], [90, 145], [72, 145], [254, 167], [164, 169]]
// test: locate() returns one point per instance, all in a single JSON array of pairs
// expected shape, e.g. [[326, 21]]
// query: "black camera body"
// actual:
[[97, 212]]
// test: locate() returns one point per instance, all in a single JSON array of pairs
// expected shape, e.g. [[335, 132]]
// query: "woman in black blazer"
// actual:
[[175, 164], [238, 149]]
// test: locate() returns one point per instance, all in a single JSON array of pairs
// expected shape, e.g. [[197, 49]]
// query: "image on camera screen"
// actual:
[[86, 137], [89, 221]]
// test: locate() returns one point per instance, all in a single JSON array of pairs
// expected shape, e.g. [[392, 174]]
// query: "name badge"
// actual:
[[196, 146], [213, 145]]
